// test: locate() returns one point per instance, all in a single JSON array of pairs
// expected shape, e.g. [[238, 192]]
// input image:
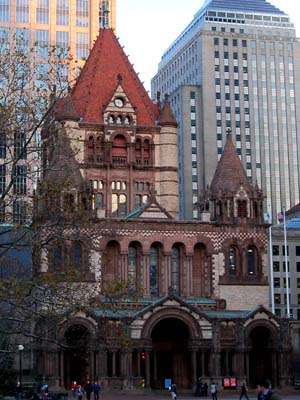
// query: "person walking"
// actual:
[[74, 389], [265, 392], [79, 392], [19, 391], [173, 391], [205, 388], [213, 391], [88, 390], [96, 390], [244, 391]]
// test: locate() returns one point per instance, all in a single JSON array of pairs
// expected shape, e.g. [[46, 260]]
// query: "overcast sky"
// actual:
[[146, 28]]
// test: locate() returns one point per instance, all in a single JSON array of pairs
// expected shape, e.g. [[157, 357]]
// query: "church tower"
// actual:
[[124, 145]]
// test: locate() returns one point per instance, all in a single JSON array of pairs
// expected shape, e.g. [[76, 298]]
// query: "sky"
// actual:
[[146, 28]]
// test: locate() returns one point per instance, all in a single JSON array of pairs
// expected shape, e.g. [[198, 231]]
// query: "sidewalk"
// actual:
[[289, 394]]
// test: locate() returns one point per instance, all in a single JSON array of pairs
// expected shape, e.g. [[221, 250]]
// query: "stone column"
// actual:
[[155, 366], [114, 363], [216, 353], [194, 366], [166, 275], [123, 267], [147, 368], [147, 275], [188, 275]]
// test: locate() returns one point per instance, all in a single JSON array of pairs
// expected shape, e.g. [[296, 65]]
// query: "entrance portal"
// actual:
[[170, 357], [260, 358], [76, 357]]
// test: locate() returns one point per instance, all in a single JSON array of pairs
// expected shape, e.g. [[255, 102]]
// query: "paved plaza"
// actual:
[[232, 395]]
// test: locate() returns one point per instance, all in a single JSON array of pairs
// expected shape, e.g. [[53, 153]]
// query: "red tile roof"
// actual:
[[230, 173], [99, 80]]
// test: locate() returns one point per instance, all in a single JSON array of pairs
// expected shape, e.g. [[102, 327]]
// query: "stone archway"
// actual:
[[170, 356], [261, 356], [76, 357]]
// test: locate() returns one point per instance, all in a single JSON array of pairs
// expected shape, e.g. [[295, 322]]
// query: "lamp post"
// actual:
[[20, 348]]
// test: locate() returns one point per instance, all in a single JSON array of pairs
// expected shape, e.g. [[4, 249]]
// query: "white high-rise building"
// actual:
[[235, 67]]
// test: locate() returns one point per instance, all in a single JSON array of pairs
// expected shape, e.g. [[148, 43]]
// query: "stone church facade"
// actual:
[[197, 297]]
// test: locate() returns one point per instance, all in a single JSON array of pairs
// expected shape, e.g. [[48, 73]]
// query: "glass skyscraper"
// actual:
[[234, 68]]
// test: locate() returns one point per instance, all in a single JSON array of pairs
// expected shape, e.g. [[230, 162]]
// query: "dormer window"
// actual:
[[119, 120], [127, 120]]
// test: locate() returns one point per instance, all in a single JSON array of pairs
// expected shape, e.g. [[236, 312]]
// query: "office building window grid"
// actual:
[[82, 13], [82, 45], [62, 12], [294, 153], [62, 43], [4, 10], [22, 11], [42, 42], [275, 130], [42, 12], [256, 119], [22, 39]]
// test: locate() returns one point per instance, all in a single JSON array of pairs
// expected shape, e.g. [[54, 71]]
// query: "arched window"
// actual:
[[232, 261], [77, 254], [99, 200], [132, 266], [90, 149], [111, 119], [175, 270], [251, 260], [242, 208], [122, 204], [138, 151], [99, 157], [127, 120], [138, 200], [119, 150], [154, 254], [146, 152], [58, 258], [119, 119]]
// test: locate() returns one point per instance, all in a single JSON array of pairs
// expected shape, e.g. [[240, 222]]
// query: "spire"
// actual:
[[166, 117], [230, 173]]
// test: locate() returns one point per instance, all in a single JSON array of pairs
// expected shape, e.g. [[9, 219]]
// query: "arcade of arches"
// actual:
[[170, 339]]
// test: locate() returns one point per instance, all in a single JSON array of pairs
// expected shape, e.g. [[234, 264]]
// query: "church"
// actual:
[[171, 299]]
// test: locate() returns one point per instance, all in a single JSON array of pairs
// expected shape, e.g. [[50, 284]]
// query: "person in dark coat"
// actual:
[[88, 390], [244, 391], [265, 392], [205, 389], [96, 390], [19, 390]]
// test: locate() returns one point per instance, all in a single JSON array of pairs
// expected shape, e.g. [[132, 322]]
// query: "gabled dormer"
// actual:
[[119, 111]]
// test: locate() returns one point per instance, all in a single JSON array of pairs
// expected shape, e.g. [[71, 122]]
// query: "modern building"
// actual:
[[288, 253], [70, 25], [234, 68], [196, 295]]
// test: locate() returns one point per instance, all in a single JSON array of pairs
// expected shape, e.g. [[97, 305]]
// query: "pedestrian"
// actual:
[[213, 391], [88, 390], [205, 389], [265, 392], [79, 392], [19, 391], [173, 391], [244, 391], [96, 390], [198, 388], [44, 390], [74, 389]]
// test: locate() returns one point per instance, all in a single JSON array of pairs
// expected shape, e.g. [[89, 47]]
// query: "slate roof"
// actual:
[[256, 6], [100, 77], [230, 173]]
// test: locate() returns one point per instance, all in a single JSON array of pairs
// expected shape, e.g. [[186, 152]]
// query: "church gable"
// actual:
[[151, 210], [119, 110]]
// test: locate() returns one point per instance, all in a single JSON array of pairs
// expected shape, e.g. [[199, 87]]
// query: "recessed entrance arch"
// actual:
[[76, 356], [170, 356], [260, 357]]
